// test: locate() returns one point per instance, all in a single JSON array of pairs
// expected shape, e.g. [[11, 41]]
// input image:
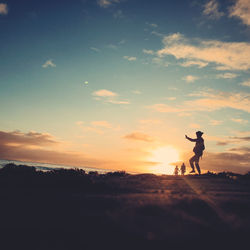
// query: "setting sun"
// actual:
[[165, 157]]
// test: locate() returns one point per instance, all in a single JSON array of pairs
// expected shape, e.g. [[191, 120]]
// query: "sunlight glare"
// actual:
[[165, 156]]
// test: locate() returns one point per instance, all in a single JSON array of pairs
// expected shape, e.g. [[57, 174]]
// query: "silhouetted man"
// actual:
[[183, 168], [176, 170], [198, 151]]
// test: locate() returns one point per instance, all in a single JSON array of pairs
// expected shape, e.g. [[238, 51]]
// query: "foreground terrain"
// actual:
[[65, 209]]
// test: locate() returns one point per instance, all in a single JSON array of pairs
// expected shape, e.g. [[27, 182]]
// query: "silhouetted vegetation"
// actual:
[[68, 208]]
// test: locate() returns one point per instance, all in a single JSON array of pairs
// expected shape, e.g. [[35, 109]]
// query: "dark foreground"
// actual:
[[68, 209]]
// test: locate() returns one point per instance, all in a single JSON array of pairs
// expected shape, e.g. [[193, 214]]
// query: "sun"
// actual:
[[165, 157]]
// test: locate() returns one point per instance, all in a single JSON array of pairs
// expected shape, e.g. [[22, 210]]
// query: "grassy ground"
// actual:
[[67, 209]]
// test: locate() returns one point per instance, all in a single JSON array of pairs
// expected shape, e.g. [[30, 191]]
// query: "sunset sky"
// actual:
[[117, 84]]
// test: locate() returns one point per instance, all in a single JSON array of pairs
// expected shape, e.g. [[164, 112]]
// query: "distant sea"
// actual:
[[47, 166]]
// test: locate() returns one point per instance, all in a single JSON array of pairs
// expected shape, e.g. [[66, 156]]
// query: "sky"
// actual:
[[117, 84]]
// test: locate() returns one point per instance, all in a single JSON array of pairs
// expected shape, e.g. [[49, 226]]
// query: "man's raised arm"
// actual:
[[190, 139]]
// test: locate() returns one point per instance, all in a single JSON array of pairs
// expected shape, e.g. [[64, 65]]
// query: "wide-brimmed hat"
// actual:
[[199, 133]]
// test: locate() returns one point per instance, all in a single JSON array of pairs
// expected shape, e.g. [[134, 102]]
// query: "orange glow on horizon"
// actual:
[[165, 157]]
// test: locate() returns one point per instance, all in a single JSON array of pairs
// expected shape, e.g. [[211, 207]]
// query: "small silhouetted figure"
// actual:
[[183, 169], [176, 170], [198, 151]]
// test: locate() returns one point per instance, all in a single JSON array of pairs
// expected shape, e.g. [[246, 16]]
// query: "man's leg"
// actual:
[[197, 164], [191, 161]]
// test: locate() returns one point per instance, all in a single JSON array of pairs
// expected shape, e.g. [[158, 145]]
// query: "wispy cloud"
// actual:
[[164, 108], [208, 101], [241, 149], [138, 136], [41, 147], [153, 25], [108, 96], [112, 46], [3, 9], [190, 78], [118, 101], [104, 93], [150, 122], [104, 124], [227, 161], [48, 63], [95, 49], [226, 55], [18, 138], [246, 83], [137, 92], [243, 138], [148, 51], [241, 10], [215, 122], [156, 33], [107, 3], [227, 75], [238, 120], [213, 100], [98, 127], [172, 98], [130, 58], [199, 64], [211, 10]]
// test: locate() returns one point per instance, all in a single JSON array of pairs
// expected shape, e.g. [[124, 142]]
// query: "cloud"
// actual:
[[214, 101], [215, 122], [23, 139], [172, 98], [148, 52], [200, 64], [159, 61], [139, 137], [211, 10], [79, 123], [227, 161], [246, 83], [130, 58], [226, 55], [95, 49], [107, 3], [104, 93], [243, 138], [217, 100], [118, 102], [241, 149], [97, 127], [208, 101], [157, 33], [33, 146], [164, 108], [227, 75], [112, 46], [241, 10], [153, 25], [48, 63], [108, 97], [223, 143], [137, 92], [241, 121], [190, 78], [3, 9], [103, 124], [150, 122]]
